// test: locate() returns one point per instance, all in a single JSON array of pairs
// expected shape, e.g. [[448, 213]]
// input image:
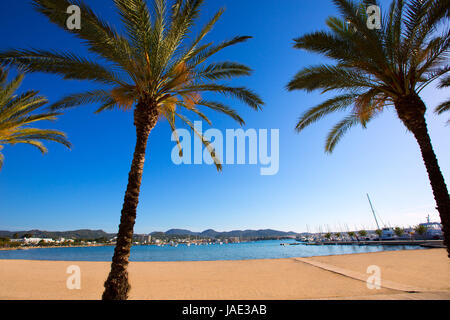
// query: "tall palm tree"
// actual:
[[379, 68], [16, 116], [157, 68]]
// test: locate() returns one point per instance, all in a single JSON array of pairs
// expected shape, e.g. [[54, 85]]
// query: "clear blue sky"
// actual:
[[84, 187]]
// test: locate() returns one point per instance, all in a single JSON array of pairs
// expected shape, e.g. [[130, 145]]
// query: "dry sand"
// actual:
[[277, 279]]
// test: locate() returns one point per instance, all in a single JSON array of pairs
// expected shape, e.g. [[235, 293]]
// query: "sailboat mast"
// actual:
[[373, 211]]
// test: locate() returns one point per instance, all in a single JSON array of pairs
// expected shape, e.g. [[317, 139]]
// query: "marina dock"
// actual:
[[422, 243]]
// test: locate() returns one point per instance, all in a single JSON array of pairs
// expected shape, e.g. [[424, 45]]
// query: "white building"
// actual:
[[37, 240]]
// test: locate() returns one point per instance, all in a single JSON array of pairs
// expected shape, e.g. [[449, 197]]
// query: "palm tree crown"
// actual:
[[15, 117], [375, 68], [152, 63]]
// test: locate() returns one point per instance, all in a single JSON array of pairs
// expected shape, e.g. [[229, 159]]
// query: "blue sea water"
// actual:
[[270, 249]]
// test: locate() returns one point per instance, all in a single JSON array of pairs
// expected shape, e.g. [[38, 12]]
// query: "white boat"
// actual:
[[434, 230], [387, 234], [304, 239]]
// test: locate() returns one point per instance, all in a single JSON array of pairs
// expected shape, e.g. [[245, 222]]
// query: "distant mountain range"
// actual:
[[95, 234], [235, 233], [76, 234]]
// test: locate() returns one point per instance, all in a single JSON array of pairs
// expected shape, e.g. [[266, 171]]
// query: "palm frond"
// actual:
[[66, 64], [196, 111], [202, 55], [445, 82], [16, 114], [434, 55], [219, 107], [223, 70], [8, 90], [335, 104], [169, 114], [35, 134], [443, 107], [76, 99], [100, 37], [190, 52], [205, 142], [339, 130], [328, 77], [327, 43], [241, 93], [393, 29], [136, 17], [432, 74]]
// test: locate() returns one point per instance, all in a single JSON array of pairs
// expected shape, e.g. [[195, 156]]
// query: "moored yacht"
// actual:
[[387, 234], [434, 229]]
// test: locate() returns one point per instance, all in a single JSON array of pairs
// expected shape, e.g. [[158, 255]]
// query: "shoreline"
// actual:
[[51, 247], [264, 279]]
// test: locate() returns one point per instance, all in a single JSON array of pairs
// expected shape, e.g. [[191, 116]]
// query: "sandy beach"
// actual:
[[426, 272]]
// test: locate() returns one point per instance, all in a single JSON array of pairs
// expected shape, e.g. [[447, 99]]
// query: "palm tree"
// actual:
[[362, 233], [351, 234], [16, 116], [421, 230], [399, 231], [379, 233], [379, 68], [154, 69]]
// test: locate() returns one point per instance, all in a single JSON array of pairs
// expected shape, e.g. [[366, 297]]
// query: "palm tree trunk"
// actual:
[[117, 285], [411, 110]]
